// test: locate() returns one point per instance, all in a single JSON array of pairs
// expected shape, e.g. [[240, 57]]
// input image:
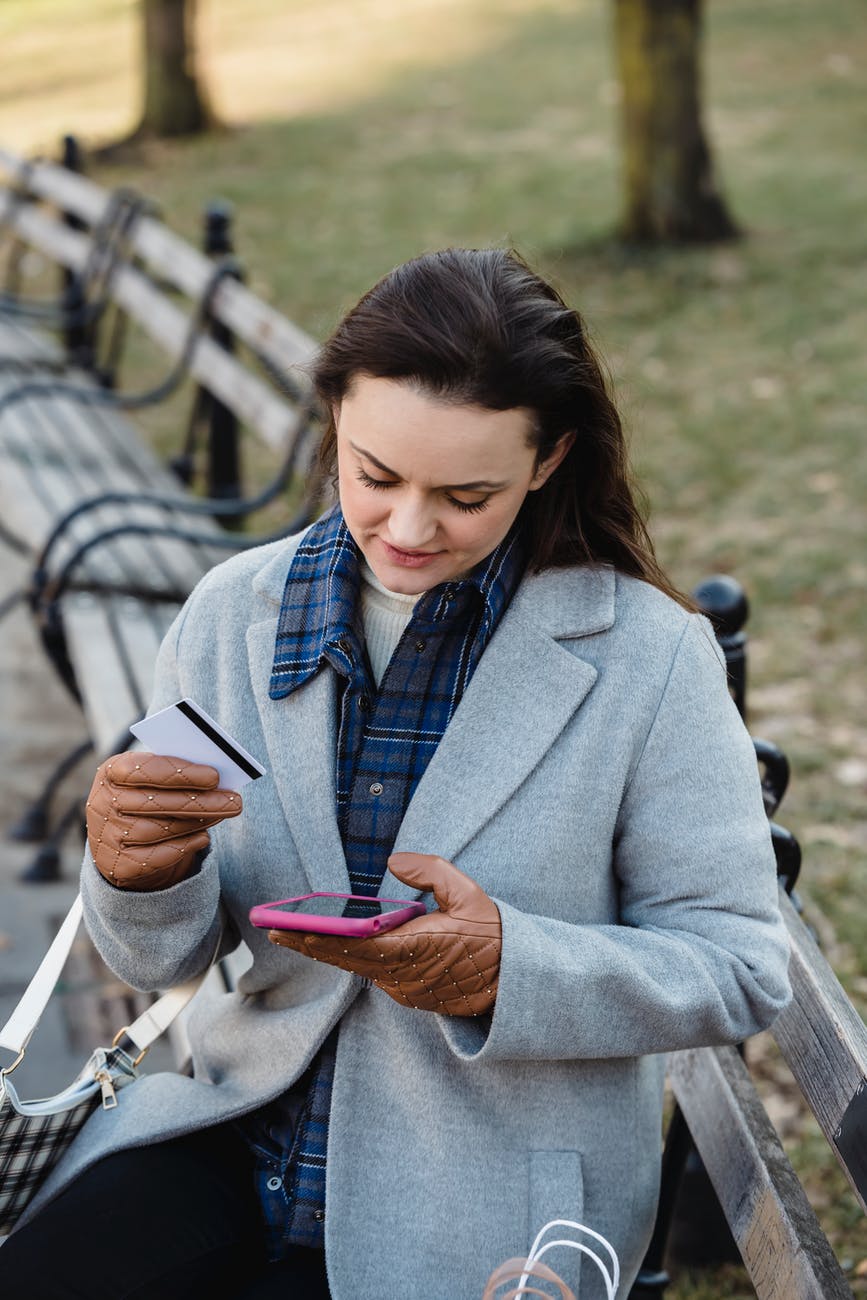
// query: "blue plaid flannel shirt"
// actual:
[[386, 738]]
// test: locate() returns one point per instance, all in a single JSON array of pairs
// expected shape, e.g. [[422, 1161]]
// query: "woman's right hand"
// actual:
[[147, 818]]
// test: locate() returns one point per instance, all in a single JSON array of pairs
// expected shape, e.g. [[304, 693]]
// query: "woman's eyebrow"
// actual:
[[479, 485]]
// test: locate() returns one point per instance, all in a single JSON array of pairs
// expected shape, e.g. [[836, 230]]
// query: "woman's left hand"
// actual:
[[447, 961]]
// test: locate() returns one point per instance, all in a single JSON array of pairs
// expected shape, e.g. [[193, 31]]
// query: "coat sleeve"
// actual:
[[155, 940], [700, 953]]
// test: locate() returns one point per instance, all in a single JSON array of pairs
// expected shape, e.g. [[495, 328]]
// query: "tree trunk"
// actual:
[[174, 102], [671, 192]]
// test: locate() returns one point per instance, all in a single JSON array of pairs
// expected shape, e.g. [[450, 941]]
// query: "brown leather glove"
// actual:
[[147, 818], [447, 961]]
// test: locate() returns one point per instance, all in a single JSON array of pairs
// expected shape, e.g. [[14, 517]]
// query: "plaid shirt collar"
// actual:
[[319, 620]]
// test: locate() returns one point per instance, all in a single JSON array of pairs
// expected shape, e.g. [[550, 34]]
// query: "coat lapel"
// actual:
[[300, 733], [523, 693]]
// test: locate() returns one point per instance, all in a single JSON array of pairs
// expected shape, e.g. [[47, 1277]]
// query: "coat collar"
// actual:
[[565, 603], [522, 695], [319, 615]]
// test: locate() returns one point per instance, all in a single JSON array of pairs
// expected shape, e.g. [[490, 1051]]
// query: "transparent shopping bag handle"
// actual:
[[519, 1270], [532, 1266]]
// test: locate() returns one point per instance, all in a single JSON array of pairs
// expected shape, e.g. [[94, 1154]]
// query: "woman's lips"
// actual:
[[409, 559]]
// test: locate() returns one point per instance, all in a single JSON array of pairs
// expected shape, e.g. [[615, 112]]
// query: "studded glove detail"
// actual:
[[148, 817], [447, 961]]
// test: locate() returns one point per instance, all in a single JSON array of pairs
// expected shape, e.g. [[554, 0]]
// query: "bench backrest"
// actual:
[[168, 260], [824, 1043]]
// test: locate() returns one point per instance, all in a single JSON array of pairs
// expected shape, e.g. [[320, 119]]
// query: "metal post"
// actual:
[[724, 601], [224, 460], [653, 1277], [77, 337], [217, 239]]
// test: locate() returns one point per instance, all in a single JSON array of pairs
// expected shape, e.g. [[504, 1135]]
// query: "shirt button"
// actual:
[[274, 1184], [343, 645], [364, 703], [420, 645], [318, 1215], [376, 788]]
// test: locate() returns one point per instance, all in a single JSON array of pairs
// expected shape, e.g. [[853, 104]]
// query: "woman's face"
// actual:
[[428, 488]]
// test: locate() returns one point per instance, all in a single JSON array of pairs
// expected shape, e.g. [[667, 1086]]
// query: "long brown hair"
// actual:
[[478, 326]]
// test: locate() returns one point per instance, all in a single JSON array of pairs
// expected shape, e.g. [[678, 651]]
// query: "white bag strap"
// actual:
[[155, 1020], [18, 1029]]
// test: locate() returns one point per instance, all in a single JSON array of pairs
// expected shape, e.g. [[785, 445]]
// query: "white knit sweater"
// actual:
[[385, 615]]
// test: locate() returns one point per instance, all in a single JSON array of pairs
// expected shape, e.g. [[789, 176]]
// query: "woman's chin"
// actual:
[[403, 583]]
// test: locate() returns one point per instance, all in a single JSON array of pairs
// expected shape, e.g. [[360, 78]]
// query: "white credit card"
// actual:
[[185, 730]]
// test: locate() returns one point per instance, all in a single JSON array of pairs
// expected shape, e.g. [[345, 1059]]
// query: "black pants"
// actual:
[[176, 1221]]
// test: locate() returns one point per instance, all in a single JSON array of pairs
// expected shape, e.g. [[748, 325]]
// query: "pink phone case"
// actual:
[[267, 917]]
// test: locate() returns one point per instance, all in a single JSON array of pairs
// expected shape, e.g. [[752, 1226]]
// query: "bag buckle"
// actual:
[[115, 1042], [7, 1069]]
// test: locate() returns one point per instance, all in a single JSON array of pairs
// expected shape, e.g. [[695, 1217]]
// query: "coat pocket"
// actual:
[[557, 1192]]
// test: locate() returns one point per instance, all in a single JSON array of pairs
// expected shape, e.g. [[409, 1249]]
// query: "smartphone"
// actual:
[[324, 914]]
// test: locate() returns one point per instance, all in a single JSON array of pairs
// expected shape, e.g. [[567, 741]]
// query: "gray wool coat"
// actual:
[[597, 782]]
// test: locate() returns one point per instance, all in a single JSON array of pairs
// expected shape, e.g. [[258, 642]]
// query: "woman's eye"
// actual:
[[373, 482], [470, 507]]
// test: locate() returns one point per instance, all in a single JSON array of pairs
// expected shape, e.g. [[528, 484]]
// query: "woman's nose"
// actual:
[[411, 524]]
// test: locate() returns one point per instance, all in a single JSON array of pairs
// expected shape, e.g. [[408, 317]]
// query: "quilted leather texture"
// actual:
[[148, 817], [455, 974]]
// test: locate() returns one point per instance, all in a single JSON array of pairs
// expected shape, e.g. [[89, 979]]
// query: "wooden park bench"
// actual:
[[824, 1042], [115, 538], [719, 1113]]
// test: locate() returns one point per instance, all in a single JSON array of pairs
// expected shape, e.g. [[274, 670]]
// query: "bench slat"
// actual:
[[107, 692], [123, 462], [25, 346], [57, 480], [250, 319], [113, 643], [777, 1232], [24, 514], [252, 400], [140, 630], [63, 453], [824, 1043]]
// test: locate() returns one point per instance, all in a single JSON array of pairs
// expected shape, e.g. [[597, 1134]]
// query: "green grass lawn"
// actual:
[[368, 132]]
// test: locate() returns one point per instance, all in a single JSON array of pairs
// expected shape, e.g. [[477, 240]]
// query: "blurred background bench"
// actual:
[[728, 1189], [116, 539]]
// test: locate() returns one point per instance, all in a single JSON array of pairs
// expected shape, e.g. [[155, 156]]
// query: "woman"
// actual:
[[471, 678]]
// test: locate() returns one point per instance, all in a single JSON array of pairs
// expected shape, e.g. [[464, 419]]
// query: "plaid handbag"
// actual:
[[35, 1134]]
